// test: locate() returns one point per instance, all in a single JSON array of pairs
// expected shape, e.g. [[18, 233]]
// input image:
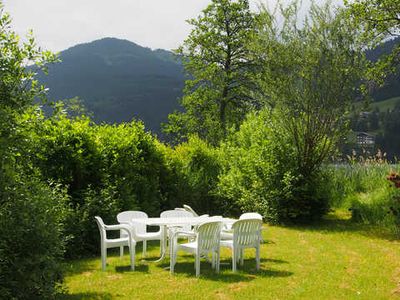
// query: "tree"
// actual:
[[311, 75], [378, 20], [220, 88], [31, 211], [18, 87]]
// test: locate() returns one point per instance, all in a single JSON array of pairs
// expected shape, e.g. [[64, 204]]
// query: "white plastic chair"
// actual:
[[251, 215], [207, 241], [228, 234], [139, 230], [246, 234], [106, 243], [178, 214], [191, 210]]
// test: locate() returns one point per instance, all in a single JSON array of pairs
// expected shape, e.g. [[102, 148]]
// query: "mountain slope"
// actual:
[[118, 80], [391, 87]]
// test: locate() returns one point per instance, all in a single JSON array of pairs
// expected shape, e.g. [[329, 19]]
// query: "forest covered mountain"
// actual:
[[392, 86], [118, 80]]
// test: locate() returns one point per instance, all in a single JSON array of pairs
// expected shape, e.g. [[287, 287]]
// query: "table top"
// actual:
[[182, 221]]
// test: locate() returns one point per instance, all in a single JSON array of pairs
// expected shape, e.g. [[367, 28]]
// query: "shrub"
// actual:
[[31, 237], [105, 168], [132, 164], [191, 176], [261, 174]]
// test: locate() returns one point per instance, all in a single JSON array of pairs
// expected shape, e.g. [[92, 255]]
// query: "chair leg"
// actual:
[[258, 257], [213, 260], [172, 261], [234, 259], [121, 251], [103, 257], [132, 252], [217, 261], [197, 259], [241, 256], [144, 248]]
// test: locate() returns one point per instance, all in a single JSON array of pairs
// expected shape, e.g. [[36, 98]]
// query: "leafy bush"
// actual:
[[261, 174], [191, 176], [131, 162], [31, 237], [105, 168]]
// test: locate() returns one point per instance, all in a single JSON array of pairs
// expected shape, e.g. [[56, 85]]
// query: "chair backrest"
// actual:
[[246, 232], [251, 215], [127, 216], [178, 214], [180, 209], [189, 209], [208, 236], [101, 226]]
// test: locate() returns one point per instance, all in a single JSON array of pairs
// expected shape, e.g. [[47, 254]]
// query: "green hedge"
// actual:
[[105, 168]]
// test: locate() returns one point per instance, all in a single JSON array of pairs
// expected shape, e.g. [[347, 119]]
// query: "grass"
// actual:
[[388, 104], [336, 259], [383, 106]]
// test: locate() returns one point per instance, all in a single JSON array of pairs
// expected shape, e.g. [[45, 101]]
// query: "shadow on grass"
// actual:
[[88, 295], [245, 273], [275, 261], [138, 268], [332, 224], [86, 265]]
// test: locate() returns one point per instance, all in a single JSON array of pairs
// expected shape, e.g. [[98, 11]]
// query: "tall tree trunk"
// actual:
[[222, 110]]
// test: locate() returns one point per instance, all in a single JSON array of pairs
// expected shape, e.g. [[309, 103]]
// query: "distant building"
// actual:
[[365, 114], [365, 139]]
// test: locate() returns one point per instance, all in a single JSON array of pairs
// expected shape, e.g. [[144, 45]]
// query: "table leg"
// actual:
[[163, 243]]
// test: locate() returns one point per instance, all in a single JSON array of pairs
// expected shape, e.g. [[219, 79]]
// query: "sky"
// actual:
[[60, 24]]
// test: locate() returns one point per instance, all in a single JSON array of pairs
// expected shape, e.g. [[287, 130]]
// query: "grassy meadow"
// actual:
[[336, 259]]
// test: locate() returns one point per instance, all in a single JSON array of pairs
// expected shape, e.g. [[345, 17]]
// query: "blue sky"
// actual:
[[59, 24]]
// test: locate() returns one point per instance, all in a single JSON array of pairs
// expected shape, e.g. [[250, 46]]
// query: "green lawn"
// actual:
[[333, 260]]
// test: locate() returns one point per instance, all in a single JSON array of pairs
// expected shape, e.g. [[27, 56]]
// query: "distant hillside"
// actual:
[[118, 80], [386, 105], [392, 87]]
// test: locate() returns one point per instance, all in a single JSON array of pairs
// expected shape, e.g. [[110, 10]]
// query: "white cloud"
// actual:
[[59, 24]]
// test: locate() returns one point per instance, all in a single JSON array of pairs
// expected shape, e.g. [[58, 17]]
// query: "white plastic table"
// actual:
[[164, 223]]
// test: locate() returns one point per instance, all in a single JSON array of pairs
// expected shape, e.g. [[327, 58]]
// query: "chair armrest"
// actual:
[[124, 227], [175, 233]]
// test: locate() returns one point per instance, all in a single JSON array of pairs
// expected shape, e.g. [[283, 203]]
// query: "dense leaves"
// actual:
[[106, 169], [261, 174]]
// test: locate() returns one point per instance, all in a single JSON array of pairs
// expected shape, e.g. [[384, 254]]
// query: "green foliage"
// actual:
[[261, 174], [31, 211], [32, 216], [192, 176], [105, 168], [216, 56], [361, 186], [378, 20], [311, 75]]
